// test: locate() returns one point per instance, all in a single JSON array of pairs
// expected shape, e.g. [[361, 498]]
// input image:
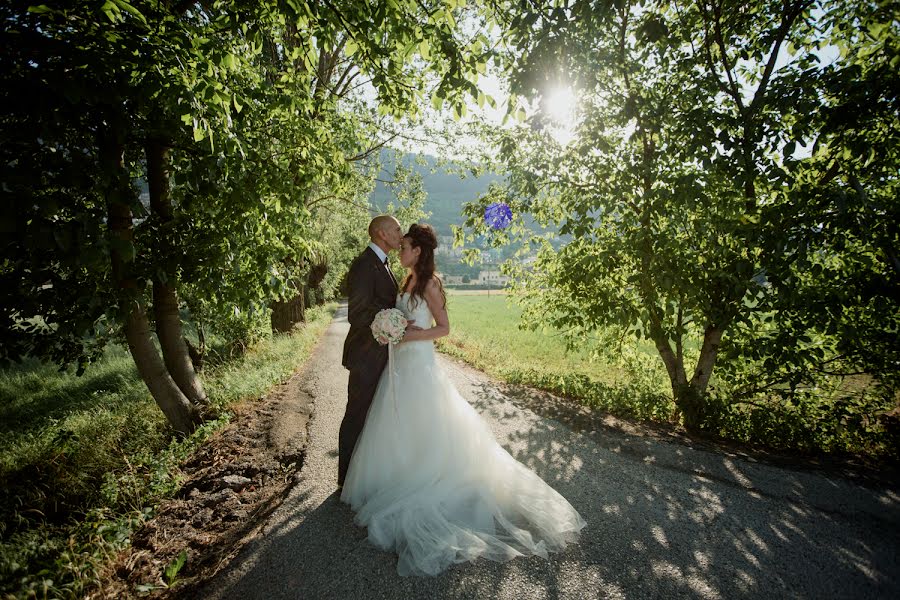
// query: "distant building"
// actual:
[[492, 277], [452, 279], [445, 247]]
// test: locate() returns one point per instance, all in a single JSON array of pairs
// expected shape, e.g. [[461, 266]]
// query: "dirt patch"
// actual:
[[232, 485]]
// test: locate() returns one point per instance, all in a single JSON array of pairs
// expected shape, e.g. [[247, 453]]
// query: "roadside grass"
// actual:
[[628, 380], [84, 460]]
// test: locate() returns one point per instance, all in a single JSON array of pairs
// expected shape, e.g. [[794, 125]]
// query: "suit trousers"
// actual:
[[360, 391]]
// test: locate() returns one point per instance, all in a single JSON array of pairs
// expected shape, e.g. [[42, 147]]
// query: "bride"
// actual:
[[427, 478]]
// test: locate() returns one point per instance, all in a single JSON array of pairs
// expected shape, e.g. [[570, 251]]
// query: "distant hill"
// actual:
[[447, 192]]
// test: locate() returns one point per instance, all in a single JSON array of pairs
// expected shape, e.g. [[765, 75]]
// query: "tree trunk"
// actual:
[[171, 340], [314, 281], [181, 415], [165, 301], [287, 314], [689, 395], [688, 401], [712, 337]]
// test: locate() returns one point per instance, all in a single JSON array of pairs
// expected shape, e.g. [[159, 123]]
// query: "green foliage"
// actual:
[[237, 329], [622, 376], [84, 460], [812, 421], [694, 216], [269, 139]]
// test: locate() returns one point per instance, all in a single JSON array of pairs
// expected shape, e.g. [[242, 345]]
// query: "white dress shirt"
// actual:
[[378, 251]]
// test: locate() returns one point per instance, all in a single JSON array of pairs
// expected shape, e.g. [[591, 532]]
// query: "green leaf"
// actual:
[[425, 49], [789, 150], [112, 12], [123, 5], [175, 566]]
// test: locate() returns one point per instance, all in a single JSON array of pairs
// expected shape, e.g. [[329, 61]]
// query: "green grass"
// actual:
[[484, 332], [83, 460], [628, 380], [487, 326]]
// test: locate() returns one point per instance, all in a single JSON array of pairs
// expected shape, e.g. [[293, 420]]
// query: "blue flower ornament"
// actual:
[[498, 215]]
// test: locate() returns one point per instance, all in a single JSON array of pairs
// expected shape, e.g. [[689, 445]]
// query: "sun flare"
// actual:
[[559, 105]]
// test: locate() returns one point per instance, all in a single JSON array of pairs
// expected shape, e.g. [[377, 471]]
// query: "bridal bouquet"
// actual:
[[389, 326]]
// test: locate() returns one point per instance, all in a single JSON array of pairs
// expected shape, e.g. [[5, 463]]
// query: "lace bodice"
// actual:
[[419, 311]]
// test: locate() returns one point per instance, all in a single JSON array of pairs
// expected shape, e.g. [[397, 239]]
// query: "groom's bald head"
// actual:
[[385, 231], [380, 223]]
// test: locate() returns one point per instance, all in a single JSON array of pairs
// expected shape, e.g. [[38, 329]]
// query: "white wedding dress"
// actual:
[[430, 482]]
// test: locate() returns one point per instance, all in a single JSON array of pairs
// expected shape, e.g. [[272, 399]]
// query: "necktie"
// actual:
[[388, 267]]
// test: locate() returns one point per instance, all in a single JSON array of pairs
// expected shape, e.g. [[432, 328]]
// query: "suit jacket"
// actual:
[[372, 289]]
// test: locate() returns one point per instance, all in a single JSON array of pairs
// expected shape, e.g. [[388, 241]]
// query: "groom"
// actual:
[[372, 288]]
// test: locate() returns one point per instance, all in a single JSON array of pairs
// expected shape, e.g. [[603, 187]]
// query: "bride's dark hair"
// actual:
[[423, 237]]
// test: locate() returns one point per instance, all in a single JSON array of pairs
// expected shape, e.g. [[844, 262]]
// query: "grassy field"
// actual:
[[630, 381], [484, 332], [488, 326], [83, 460]]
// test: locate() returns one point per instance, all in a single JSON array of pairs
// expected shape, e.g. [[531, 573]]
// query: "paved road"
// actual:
[[664, 520]]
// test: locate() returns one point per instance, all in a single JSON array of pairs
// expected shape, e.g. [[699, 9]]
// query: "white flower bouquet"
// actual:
[[389, 326]]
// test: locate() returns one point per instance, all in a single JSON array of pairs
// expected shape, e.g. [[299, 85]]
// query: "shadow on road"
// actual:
[[664, 520], [667, 518]]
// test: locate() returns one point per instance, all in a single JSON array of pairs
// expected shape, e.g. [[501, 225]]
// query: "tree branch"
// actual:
[[369, 151], [707, 54], [787, 21], [345, 25]]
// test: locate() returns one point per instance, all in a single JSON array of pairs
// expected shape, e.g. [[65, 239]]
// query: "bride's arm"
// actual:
[[435, 300]]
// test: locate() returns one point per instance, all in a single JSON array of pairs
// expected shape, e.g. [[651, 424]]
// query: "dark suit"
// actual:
[[372, 289]]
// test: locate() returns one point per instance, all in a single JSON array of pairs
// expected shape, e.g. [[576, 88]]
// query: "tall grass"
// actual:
[[84, 460]]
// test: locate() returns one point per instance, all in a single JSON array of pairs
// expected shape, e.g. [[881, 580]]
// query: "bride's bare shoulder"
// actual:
[[434, 286]]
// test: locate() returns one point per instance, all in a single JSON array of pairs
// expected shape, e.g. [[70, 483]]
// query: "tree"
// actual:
[[712, 149], [219, 107]]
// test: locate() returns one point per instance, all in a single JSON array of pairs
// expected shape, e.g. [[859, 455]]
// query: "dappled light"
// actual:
[[681, 524], [666, 234]]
